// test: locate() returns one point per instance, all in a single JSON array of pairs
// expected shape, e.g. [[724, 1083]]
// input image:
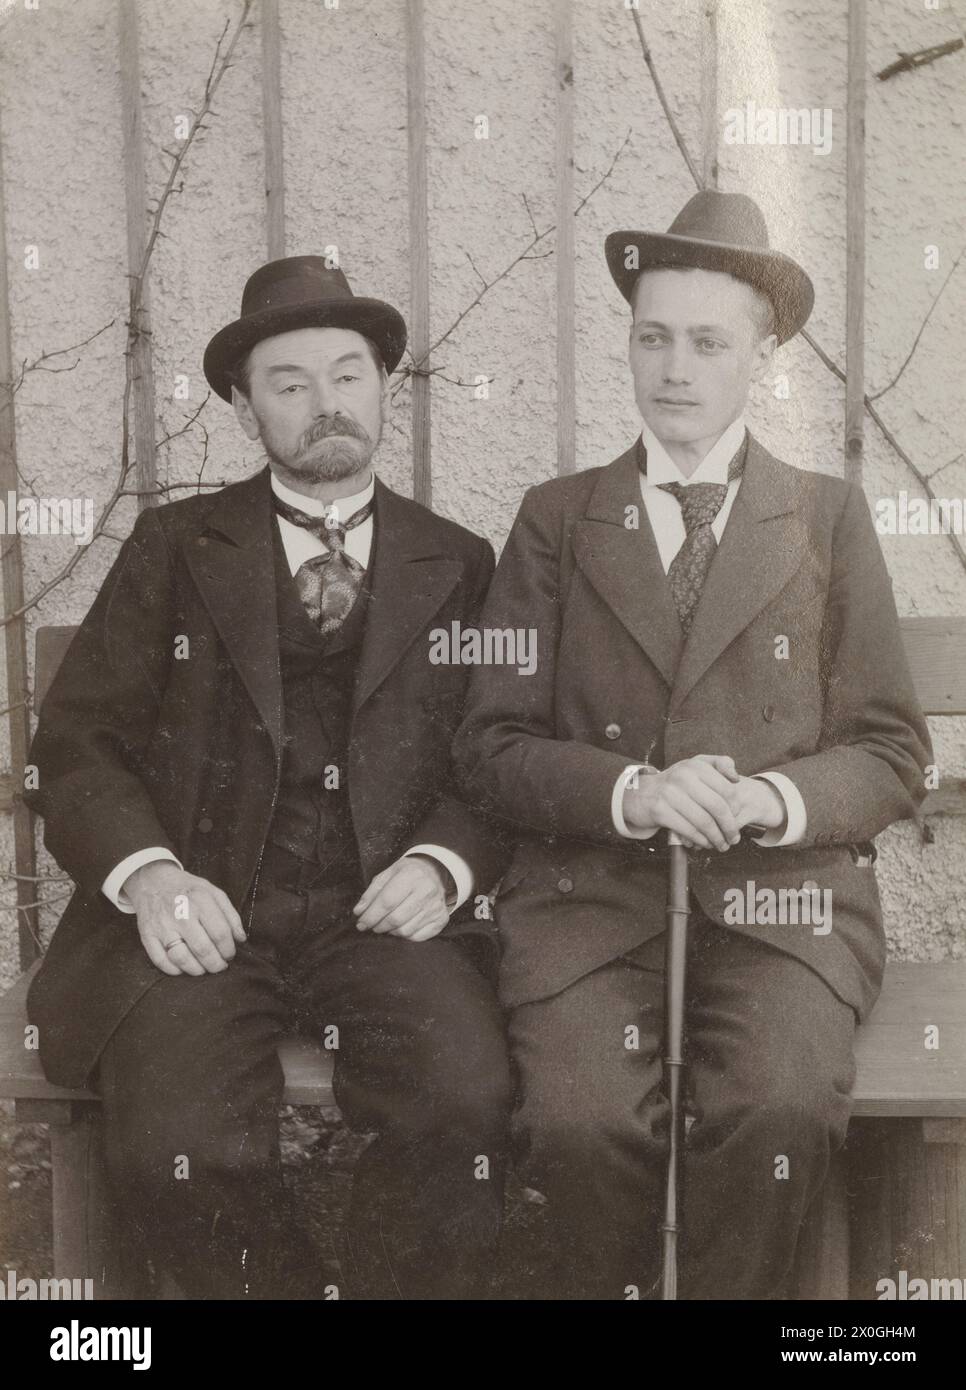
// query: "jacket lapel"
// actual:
[[410, 581], [233, 565], [762, 546], [623, 564]]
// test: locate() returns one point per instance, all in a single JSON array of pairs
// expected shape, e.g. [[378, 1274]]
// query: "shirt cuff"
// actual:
[[113, 885], [460, 871], [617, 803], [795, 815]]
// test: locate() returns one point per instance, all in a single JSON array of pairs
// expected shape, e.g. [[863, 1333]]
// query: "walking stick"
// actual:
[[674, 984]]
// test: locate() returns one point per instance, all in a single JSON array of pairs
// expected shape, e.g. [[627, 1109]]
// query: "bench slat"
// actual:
[[308, 1071], [936, 652], [896, 1075], [21, 1075]]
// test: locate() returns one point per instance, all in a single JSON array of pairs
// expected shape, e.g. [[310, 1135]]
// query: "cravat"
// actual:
[[328, 584], [700, 504]]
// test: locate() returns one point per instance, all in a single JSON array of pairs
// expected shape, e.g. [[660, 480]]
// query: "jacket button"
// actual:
[[612, 731], [566, 885], [768, 713], [202, 540], [205, 824]]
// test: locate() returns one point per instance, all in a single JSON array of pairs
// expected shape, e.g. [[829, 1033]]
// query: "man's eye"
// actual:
[[711, 345], [293, 386], [649, 339], [347, 377]]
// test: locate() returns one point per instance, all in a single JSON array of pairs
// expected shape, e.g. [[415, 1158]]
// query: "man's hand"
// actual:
[[407, 899], [757, 802], [186, 924], [695, 798]]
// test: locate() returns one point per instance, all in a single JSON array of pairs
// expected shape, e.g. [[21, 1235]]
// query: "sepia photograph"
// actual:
[[483, 772]]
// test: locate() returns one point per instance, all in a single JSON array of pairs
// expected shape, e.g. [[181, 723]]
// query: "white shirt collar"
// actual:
[[342, 507], [713, 468]]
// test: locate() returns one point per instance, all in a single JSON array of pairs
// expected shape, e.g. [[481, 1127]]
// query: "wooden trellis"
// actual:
[[15, 633]]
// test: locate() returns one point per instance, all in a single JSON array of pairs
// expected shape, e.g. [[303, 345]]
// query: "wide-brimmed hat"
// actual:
[[300, 292], [718, 231]]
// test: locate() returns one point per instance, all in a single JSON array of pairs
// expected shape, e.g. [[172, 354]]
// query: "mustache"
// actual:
[[334, 426]]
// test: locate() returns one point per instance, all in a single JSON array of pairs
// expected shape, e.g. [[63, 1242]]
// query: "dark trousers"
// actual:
[[191, 1086], [769, 1052]]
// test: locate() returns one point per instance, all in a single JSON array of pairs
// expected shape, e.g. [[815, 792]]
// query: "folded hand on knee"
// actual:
[[408, 899]]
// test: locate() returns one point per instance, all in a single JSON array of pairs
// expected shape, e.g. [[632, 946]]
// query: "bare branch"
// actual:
[[529, 253], [170, 487], [219, 65], [526, 204], [204, 456], [34, 878], [659, 90], [922, 328], [39, 363], [917, 473], [458, 381], [943, 466], [604, 176], [477, 270], [486, 285], [187, 426], [40, 902], [921, 477]]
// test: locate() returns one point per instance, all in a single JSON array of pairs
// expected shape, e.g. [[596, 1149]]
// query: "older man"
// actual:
[[245, 733], [718, 649]]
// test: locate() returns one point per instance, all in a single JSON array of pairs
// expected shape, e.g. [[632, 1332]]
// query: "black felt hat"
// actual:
[[300, 292]]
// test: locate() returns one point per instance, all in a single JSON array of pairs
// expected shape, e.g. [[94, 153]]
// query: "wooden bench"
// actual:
[[896, 1196], [86, 1241]]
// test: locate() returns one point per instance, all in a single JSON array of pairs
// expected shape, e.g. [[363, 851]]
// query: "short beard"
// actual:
[[327, 453]]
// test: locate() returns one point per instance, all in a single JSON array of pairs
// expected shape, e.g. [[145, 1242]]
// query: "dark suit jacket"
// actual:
[[616, 678], [135, 747]]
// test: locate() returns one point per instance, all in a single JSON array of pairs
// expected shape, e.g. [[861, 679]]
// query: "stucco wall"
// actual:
[[344, 99]]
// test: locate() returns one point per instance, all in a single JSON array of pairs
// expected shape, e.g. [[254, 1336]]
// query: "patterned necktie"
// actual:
[[328, 584], [700, 503]]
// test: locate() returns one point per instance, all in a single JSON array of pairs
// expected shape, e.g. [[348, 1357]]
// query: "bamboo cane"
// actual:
[[675, 979]]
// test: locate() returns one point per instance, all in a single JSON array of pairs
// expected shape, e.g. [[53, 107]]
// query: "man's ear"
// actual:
[[764, 352], [244, 412], [385, 399]]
